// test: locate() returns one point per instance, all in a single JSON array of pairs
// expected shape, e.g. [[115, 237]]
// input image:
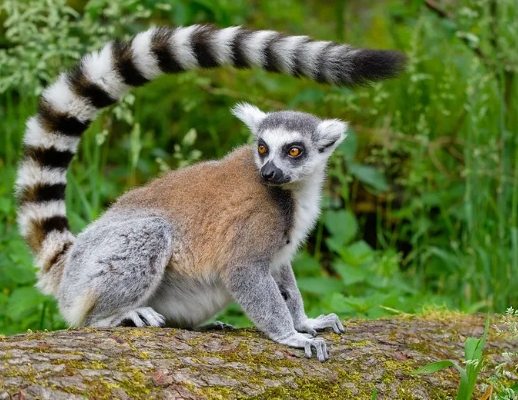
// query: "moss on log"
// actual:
[[136, 363]]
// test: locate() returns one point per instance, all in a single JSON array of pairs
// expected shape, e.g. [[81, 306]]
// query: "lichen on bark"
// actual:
[[136, 363]]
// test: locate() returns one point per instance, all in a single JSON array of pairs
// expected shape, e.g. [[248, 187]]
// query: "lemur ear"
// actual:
[[250, 115], [330, 133]]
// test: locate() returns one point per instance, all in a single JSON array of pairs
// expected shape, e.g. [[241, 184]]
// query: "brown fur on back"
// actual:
[[223, 213]]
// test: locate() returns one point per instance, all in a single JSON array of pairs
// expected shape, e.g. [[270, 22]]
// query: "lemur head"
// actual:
[[290, 146]]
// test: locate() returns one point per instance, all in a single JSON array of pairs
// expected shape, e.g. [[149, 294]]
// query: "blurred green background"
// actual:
[[421, 208]]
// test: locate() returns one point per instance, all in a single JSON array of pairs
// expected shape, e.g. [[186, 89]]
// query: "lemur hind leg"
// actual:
[[114, 267]]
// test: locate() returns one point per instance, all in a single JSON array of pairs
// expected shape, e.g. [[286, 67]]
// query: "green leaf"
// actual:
[[472, 349], [472, 352], [341, 224], [19, 273], [310, 95], [23, 300], [360, 304], [6, 205], [338, 304], [349, 145], [3, 299], [357, 253], [369, 175], [305, 264], [433, 367], [351, 275], [321, 285], [335, 244]]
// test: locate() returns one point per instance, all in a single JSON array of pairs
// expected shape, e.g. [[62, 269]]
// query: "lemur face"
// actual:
[[290, 146]]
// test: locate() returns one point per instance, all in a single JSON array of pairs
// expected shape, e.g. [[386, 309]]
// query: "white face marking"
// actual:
[[275, 140], [279, 131], [278, 142]]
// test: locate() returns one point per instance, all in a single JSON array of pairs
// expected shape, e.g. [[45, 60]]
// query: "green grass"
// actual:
[[422, 206]]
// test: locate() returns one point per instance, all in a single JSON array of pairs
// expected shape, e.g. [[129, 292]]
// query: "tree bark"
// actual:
[[138, 363]]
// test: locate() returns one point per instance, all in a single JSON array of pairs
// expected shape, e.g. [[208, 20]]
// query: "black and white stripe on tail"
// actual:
[[67, 107]]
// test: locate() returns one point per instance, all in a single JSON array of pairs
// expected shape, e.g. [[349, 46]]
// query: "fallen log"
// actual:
[[137, 363]]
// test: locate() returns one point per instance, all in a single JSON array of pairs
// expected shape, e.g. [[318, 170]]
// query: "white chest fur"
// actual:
[[186, 302], [306, 200]]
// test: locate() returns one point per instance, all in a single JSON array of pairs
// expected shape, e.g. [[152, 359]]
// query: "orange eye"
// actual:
[[262, 149], [294, 152]]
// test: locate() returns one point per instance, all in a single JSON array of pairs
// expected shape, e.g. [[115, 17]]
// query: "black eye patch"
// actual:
[[260, 143], [298, 145]]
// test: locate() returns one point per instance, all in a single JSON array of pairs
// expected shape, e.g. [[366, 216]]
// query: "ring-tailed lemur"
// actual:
[[178, 250]]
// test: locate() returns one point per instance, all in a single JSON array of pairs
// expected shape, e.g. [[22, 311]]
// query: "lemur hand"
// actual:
[[302, 341], [312, 325]]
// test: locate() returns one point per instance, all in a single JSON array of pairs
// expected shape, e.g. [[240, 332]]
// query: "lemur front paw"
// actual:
[[143, 316], [312, 325], [302, 341]]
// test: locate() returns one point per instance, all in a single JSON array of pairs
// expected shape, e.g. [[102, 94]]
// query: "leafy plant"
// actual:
[[501, 379], [473, 359], [421, 208]]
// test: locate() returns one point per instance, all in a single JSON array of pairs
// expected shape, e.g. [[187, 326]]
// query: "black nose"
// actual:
[[270, 173]]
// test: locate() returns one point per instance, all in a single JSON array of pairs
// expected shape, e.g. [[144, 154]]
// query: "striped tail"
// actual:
[[70, 104]]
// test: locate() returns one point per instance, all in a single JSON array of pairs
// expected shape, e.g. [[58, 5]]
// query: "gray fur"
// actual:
[[293, 121], [288, 287], [121, 269], [262, 301], [116, 264]]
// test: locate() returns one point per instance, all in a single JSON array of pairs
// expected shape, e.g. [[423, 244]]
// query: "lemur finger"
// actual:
[[307, 349], [321, 349], [311, 331], [337, 324], [340, 326]]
